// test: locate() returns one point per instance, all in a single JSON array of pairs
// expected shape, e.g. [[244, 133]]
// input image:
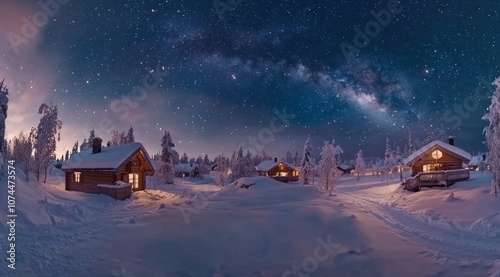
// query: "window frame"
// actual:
[[134, 181], [77, 177]]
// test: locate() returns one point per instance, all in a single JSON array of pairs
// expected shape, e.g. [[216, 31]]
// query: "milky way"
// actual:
[[227, 72]]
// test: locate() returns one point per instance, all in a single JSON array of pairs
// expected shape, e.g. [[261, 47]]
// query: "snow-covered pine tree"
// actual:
[[91, 138], [289, 157], [17, 143], [336, 173], [115, 138], [398, 156], [173, 153], [232, 161], [74, 150], [4, 100], [389, 160], [171, 144], [265, 157], [83, 146], [307, 167], [122, 138], [204, 164], [199, 160], [130, 135], [250, 166], [492, 134], [239, 166], [184, 158], [10, 147], [257, 159], [429, 137], [47, 132], [328, 166], [410, 146], [221, 174], [22, 148], [360, 165], [167, 166]]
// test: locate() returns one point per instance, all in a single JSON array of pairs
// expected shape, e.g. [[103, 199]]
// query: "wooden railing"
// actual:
[[436, 178]]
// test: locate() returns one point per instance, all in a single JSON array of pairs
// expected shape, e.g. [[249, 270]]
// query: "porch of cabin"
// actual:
[[441, 178]]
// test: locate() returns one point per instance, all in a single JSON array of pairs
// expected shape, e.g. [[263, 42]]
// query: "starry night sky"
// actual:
[[223, 78]]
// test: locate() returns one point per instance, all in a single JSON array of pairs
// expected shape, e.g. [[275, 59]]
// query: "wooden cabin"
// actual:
[[479, 163], [436, 156], [114, 170], [437, 163], [280, 171], [183, 170]]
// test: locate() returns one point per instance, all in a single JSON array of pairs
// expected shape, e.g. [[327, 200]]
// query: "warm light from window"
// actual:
[[436, 154], [133, 178], [77, 176], [431, 167]]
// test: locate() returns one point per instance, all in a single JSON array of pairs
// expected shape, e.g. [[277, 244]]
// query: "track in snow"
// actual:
[[445, 238]]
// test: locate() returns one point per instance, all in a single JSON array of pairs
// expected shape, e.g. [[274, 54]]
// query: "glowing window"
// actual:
[[77, 176], [431, 167], [436, 154], [133, 178]]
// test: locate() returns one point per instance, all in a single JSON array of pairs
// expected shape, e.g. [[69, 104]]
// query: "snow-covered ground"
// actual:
[[194, 228]]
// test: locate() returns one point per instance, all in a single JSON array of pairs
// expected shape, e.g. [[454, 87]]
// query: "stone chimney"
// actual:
[[451, 140], [96, 145]]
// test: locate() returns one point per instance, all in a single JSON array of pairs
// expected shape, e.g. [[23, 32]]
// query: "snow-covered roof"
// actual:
[[268, 165], [474, 161], [110, 158], [437, 144], [185, 168], [344, 167]]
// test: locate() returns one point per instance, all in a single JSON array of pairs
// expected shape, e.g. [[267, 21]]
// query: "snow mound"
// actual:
[[495, 270], [163, 197], [246, 182], [450, 197]]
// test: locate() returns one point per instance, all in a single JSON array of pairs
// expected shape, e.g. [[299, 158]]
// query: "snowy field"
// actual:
[[193, 228]]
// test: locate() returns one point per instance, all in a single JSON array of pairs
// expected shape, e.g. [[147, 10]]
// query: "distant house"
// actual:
[[479, 162], [187, 170], [280, 171], [114, 170], [437, 163], [345, 169]]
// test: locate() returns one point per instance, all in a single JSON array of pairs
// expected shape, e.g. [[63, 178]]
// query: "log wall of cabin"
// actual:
[[88, 180], [135, 165], [447, 161]]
